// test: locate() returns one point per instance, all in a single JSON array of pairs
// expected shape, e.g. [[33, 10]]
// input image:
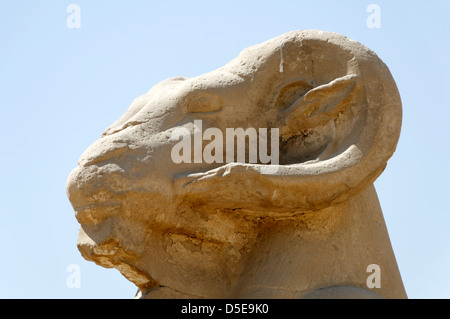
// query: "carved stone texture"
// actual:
[[306, 228]]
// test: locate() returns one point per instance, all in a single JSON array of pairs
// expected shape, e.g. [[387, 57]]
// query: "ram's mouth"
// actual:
[[93, 196], [96, 212]]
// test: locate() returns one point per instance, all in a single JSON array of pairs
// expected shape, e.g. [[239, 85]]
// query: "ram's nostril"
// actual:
[[105, 156], [103, 150]]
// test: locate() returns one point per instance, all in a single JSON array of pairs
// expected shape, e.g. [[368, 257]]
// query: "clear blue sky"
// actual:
[[61, 87]]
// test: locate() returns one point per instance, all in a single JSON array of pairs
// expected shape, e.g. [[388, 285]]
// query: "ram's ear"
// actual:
[[319, 105]]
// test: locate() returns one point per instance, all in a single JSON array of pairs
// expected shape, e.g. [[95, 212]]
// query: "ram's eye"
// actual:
[[204, 103], [291, 92]]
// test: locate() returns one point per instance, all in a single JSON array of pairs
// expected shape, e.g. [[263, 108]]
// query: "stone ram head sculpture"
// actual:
[[307, 226]]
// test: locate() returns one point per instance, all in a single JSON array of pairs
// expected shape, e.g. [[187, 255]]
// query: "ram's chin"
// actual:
[[102, 244]]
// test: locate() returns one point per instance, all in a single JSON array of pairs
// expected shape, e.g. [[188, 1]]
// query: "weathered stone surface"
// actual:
[[308, 227]]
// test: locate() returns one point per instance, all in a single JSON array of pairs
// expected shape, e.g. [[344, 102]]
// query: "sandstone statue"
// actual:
[[308, 225]]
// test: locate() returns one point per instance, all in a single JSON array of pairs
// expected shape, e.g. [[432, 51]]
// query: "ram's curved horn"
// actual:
[[319, 105], [361, 101]]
